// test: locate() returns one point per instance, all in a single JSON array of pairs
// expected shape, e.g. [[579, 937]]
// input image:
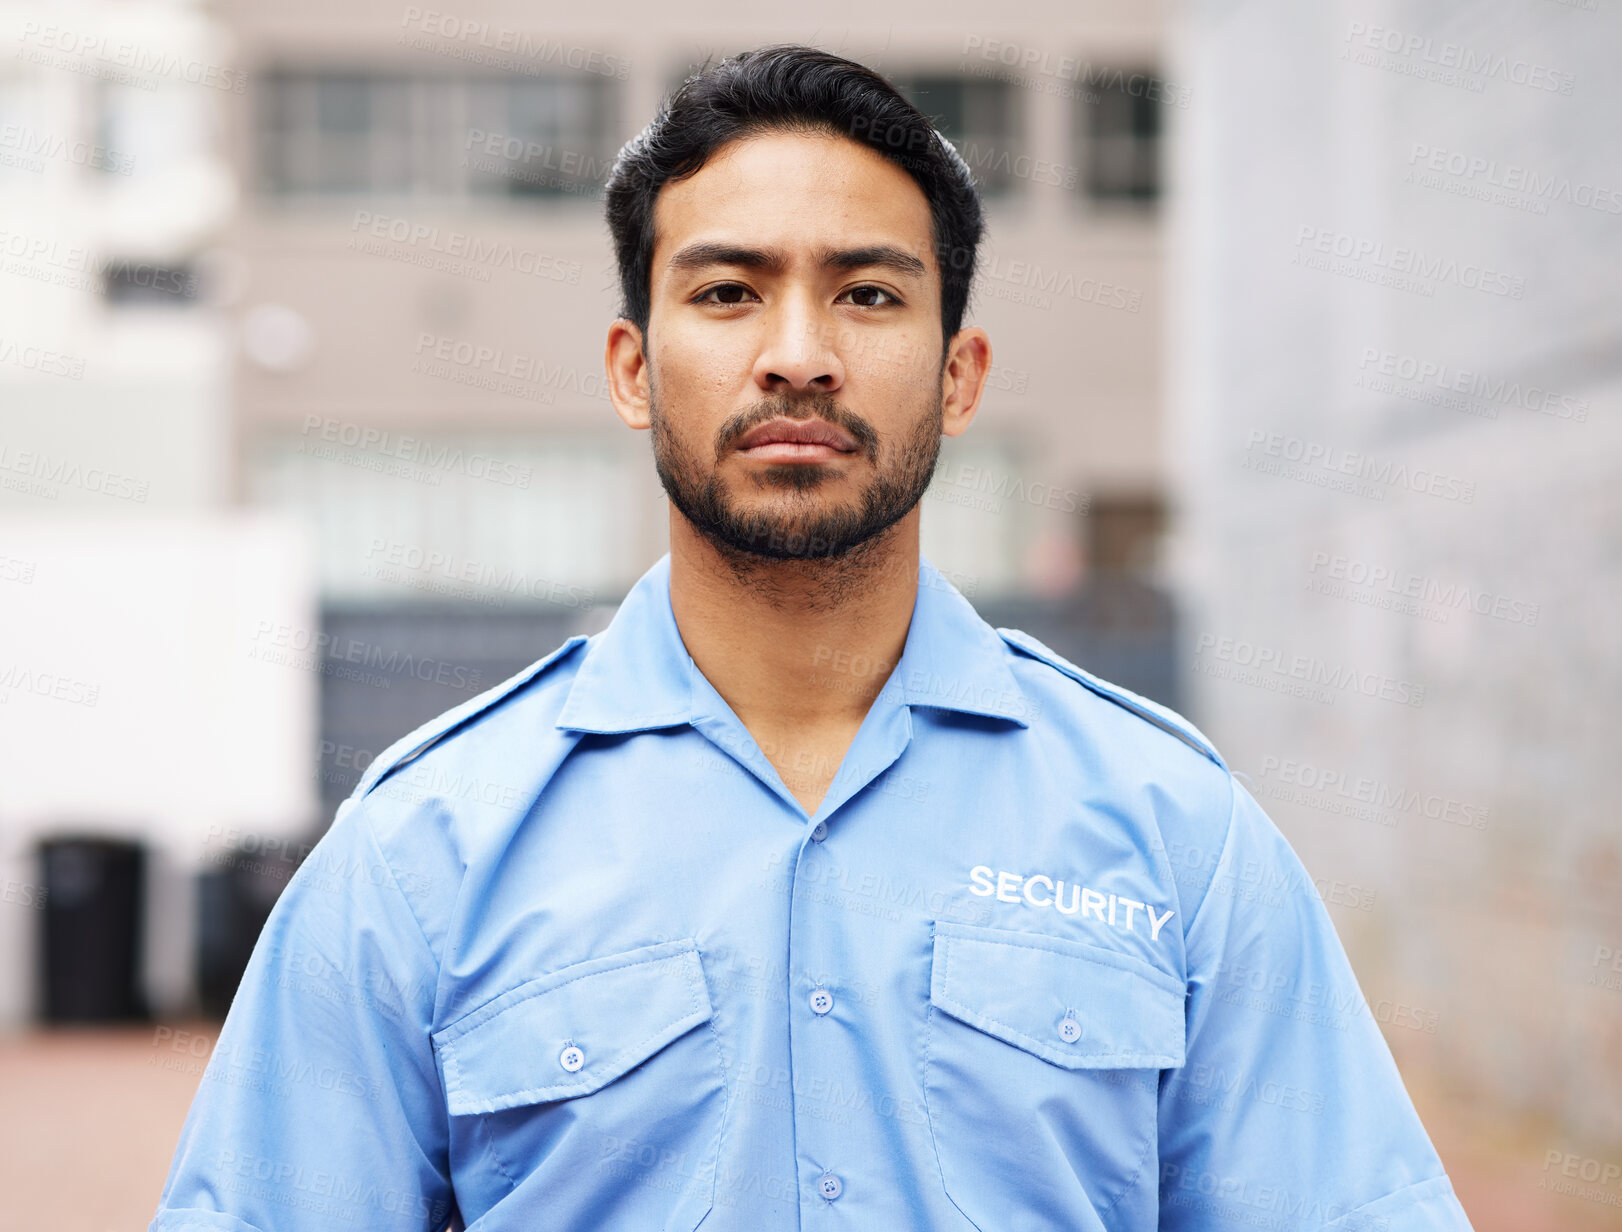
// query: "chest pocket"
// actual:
[[1041, 1074], [592, 1096]]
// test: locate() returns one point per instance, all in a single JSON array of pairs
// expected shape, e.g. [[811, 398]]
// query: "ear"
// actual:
[[963, 379], [627, 369]]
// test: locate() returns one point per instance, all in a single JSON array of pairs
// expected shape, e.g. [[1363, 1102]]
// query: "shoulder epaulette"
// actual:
[[1167, 720], [436, 729]]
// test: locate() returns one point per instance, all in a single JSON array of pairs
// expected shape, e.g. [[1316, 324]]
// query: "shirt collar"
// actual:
[[637, 674]]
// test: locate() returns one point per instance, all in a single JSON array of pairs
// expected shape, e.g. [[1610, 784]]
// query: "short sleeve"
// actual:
[[1289, 1112], [321, 1105]]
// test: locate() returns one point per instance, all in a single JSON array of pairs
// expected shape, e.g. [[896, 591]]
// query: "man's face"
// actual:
[[794, 291]]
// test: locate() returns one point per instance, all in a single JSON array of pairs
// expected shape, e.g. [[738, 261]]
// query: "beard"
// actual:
[[804, 530]]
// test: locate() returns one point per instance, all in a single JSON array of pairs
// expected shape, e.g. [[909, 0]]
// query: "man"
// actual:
[[799, 896]]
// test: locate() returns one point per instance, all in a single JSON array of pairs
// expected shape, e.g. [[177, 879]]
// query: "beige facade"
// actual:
[[1398, 432]]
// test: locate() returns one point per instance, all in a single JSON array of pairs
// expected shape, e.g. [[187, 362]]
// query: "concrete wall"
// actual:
[[1396, 404]]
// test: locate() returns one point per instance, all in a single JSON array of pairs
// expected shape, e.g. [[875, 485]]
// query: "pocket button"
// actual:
[[1069, 1029], [571, 1058]]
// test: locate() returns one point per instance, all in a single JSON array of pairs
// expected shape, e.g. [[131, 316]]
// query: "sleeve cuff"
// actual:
[[1426, 1206], [198, 1221]]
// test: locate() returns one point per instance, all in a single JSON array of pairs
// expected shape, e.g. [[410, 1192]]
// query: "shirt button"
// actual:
[[830, 1186], [1069, 1029], [821, 1000], [819, 832], [571, 1058]]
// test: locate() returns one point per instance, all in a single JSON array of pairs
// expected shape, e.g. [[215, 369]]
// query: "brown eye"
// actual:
[[867, 292], [728, 293]]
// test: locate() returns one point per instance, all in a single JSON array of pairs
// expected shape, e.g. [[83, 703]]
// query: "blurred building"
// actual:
[[1398, 375]]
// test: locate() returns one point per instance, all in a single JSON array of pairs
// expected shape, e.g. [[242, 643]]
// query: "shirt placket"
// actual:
[[829, 1018]]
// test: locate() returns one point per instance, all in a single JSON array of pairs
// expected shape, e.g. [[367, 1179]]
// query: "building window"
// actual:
[[498, 520], [126, 283], [1118, 129], [978, 117], [976, 515], [20, 110], [333, 133], [155, 136], [542, 137], [1125, 533]]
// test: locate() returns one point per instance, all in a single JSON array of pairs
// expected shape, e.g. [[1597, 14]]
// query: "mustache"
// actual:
[[819, 406]]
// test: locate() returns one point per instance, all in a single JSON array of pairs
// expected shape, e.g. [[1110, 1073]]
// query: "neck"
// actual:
[[795, 644]]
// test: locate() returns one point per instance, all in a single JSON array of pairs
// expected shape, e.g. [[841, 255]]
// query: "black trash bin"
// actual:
[[234, 899], [91, 936]]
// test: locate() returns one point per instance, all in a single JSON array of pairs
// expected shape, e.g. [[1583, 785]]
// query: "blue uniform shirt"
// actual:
[[573, 958]]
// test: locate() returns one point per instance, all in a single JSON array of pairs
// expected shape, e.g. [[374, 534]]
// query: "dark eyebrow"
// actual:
[[772, 260]]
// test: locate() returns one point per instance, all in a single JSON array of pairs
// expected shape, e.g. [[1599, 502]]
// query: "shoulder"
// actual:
[[522, 699], [1140, 708], [440, 800]]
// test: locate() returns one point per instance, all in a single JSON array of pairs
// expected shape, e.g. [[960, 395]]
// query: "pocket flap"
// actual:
[[617, 1011], [1020, 986]]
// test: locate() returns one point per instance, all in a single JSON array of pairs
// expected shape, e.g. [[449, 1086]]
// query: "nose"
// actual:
[[797, 354]]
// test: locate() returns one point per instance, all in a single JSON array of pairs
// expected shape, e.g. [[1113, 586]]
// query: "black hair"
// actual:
[[794, 88]]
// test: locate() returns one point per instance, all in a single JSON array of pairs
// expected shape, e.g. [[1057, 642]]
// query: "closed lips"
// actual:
[[798, 432]]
